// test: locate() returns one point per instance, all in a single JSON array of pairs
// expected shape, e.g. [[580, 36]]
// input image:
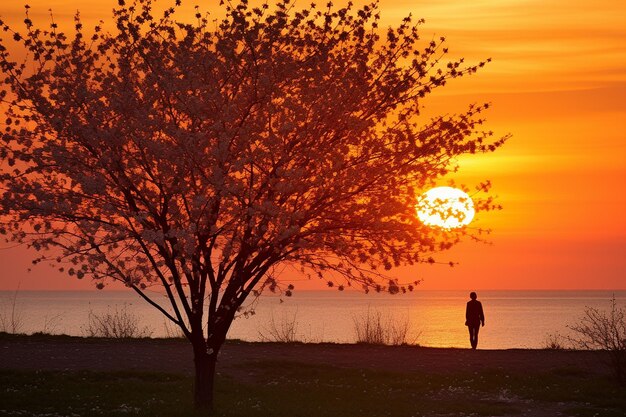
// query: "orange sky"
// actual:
[[557, 83]]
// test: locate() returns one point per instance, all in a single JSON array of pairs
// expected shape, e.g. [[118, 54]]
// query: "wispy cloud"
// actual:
[[535, 44]]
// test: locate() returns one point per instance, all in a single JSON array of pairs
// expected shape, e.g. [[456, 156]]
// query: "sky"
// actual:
[[557, 84]]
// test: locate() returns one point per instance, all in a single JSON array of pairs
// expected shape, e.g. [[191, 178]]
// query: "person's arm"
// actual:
[[482, 315], [467, 313]]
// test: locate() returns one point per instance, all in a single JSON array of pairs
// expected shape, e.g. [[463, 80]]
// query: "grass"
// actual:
[[290, 389], [293, 389], [92, 394]]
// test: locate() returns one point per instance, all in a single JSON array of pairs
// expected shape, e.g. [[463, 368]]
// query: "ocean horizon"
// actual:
[[514, 318]]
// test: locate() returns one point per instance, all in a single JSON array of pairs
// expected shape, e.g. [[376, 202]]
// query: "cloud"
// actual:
[[534, 44]]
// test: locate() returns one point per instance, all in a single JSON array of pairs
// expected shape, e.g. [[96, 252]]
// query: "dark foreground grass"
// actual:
[[274, 388]]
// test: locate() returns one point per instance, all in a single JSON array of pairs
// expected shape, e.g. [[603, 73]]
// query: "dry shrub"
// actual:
[[11, 318], [377, 329], [172, 331], [554, 341], [117, 324], [284, 330]]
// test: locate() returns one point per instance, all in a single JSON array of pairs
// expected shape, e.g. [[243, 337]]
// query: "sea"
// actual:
[[514, 319]]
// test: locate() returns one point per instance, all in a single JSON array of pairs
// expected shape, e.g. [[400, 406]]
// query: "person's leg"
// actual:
[[473, 332], [477, 328]]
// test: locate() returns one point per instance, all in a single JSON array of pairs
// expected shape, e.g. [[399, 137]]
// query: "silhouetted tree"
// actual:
[[604, 331], [198, 156]]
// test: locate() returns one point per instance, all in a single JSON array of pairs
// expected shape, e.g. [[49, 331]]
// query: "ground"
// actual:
[[307, 379]]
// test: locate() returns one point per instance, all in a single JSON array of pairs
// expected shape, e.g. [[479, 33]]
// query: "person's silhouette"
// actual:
[[474, 317]]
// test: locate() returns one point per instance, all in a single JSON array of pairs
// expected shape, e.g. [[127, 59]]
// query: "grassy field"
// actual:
[[290, 389]]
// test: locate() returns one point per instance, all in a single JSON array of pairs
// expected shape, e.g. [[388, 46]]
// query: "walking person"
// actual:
[[474, 318]]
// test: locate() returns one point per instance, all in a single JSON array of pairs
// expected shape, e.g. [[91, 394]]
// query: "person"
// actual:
[[474, 318]]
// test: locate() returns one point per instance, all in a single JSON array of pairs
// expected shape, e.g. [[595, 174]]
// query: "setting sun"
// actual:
[[445, 207]]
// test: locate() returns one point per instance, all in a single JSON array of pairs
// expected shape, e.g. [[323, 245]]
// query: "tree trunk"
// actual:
[[204, 380], [205, 357]]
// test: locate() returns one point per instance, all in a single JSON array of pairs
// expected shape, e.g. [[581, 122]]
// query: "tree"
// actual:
[[199, 156], [604, 331]]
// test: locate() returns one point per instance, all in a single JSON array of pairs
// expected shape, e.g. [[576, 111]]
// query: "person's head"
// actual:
[[473, 295]]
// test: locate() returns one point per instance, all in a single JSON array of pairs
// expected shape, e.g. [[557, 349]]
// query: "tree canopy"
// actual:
[[199, 156]]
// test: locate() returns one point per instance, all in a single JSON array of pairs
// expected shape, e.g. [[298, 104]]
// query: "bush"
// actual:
[[554, 341], [11, 319], [172, 331], [605, 331], [376, 329], [284, 331], [51, 323], [119, 324]]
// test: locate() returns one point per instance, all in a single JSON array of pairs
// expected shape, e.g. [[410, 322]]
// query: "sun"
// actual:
[[445, 207]]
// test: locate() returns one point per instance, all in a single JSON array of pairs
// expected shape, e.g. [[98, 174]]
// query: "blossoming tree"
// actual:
[[197, 157]]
